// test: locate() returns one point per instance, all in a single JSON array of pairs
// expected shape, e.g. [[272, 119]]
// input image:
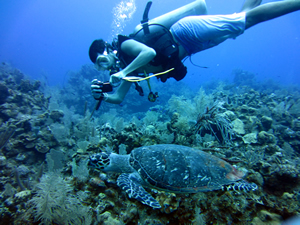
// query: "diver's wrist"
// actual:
[[105, 97]]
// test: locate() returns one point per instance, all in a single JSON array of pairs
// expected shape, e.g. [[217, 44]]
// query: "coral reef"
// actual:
[[47, 135]]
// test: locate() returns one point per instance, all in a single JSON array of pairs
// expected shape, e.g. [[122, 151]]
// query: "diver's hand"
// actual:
[[116, 78], [96, 88]]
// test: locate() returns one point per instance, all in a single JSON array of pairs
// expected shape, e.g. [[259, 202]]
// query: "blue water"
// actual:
[[50, 38]]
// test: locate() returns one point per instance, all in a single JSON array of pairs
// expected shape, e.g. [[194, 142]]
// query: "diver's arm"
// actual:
[[119, 95], [142, 53]]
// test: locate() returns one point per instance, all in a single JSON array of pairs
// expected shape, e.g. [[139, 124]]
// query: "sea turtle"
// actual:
[[167, 167]]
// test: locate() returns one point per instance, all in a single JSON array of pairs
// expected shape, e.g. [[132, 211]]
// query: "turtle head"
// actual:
[[99, 161]]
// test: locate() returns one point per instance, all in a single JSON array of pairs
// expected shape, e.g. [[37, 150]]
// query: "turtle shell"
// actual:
[[182, 169]]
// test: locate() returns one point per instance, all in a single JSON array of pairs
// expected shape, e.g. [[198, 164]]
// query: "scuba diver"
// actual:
[[160, 45]]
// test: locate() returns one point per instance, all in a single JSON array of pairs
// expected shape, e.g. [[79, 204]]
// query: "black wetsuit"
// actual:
[[161, 40]]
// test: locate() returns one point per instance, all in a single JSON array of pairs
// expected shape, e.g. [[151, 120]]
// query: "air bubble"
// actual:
[[122, 12]]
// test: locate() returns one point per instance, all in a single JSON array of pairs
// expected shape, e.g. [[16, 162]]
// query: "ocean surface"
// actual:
[[224, 141]]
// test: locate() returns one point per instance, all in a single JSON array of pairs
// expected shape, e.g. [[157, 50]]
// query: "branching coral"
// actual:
[[216, 124], [6, 132]]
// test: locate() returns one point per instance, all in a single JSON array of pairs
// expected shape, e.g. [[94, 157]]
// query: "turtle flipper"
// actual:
[[135, 190], [241, 186]]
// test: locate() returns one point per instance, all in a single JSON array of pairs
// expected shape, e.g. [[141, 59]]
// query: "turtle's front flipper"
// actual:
[[135, 190], [241, 186]]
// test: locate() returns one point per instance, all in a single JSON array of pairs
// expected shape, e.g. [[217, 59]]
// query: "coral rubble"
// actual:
[[46, 137]]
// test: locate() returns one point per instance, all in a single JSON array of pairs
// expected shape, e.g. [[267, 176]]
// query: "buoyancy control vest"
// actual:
[[161, 40]]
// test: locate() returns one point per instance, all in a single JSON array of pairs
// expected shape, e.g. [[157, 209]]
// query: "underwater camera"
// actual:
[[105, 86]]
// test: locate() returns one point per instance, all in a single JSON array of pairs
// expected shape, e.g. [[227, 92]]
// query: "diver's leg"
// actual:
[[119, 95], [197, 7], [270, 11], [250, 4]]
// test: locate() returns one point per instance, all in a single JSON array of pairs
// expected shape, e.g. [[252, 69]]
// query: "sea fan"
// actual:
[[54, 202]]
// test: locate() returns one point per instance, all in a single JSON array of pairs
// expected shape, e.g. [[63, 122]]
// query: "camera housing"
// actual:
[[106, 87]]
